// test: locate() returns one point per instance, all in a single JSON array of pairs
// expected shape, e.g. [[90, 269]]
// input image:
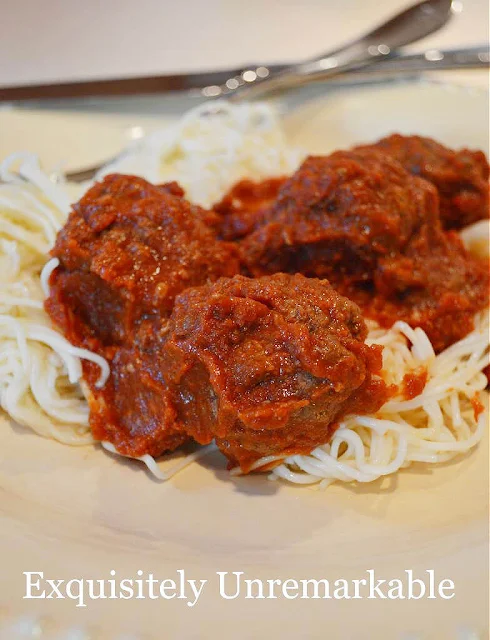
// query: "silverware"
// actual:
[[416, 22], [432, 60], [425, 17], [412, 24], [398, 64]]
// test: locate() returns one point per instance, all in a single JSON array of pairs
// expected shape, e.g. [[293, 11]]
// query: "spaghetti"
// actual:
[[40, 371]]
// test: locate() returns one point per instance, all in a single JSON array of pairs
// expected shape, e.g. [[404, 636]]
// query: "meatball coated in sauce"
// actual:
[[127, 249], [361, 220], [266, 366], [461, 177], [340, 213], [434, 285]]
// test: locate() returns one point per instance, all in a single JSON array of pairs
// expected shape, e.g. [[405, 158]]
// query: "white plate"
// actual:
[[66, 139], [78, 513]]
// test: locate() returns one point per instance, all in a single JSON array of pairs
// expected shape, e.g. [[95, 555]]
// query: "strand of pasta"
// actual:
[[39, 369]]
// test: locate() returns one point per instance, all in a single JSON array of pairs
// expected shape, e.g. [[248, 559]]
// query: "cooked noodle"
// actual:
[[40, 371], [39, 368], [153, 467]]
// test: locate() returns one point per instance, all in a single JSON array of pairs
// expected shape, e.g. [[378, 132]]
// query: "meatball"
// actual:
[[127, 249], [435, 285], [361, 220], [461, 177], [266, 366], [341, 213]]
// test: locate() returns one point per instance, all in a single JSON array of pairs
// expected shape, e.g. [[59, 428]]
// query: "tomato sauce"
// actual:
[[414, 382]]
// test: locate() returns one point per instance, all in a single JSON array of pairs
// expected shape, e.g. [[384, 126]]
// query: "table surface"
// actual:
[[69, 40]]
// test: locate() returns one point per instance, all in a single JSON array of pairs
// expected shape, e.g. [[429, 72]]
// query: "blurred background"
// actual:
[[61, 41]]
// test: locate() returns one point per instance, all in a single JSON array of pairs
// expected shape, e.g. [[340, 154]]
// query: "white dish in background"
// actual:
[[78, 513]]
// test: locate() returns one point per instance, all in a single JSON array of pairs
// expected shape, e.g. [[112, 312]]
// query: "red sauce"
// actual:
[[478, 407], [126, 251], [265, 365], [241, 209], [486, 371], [360, 220], [414, 382]]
